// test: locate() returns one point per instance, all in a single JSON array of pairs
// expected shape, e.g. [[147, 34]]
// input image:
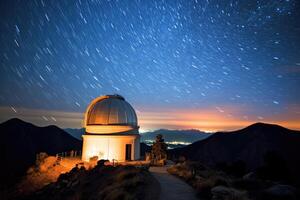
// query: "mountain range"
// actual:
[[185, 136], [175, 138], [21, 141], [249, 145], [75, 132]]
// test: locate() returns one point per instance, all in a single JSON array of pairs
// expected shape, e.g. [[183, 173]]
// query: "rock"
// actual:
[[94, 159], [80, 164], [250, 176], [220, 191], [102, 162], [286, 192], [226, 193], [47, 163], [75, 183], [101, 183]]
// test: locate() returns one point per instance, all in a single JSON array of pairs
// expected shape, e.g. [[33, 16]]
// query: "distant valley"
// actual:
[[174, 138]]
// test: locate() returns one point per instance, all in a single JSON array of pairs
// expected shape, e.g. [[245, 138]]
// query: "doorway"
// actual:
[[128, 152]]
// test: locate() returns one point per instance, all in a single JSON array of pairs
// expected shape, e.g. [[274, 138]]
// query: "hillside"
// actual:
[[101, 182], [75, 132], [21, 141], [249, 145]]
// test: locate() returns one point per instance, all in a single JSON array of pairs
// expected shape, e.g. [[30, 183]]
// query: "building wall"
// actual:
[[110, 147]]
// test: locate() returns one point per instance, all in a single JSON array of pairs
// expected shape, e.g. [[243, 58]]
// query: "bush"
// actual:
[[227, 193], [47, 163], [40, 157], [274, 168], [203, 186], [280, 192], [237, 168], [248, 184], [181, 170]]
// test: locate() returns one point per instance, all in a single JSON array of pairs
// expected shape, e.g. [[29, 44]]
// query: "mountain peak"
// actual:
[[264, 126], [16, 121], [249, 145]]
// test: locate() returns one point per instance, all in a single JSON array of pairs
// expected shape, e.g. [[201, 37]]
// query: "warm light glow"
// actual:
[[107, 129], [110, 142], [110, 147]]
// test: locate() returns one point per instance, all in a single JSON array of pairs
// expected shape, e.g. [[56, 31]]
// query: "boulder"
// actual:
[[280, 192], [94, 159], [227, 193], [250, 176], [102, 162], [47, 164]]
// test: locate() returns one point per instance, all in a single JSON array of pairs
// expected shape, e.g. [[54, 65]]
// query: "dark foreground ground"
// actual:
[[101, 182], [217, 184]]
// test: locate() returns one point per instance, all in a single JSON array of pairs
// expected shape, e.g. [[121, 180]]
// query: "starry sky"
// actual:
[[205, 64]]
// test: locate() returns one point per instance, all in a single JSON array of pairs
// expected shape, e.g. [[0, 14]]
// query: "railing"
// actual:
[[68, 154]]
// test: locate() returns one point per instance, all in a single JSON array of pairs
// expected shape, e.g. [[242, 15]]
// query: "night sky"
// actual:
[[211, 65]]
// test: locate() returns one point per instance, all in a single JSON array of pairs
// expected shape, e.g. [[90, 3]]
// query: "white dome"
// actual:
[[111, 130], [111, 110]]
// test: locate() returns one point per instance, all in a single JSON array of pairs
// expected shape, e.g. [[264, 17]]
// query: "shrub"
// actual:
[[40, 157], [227, 193], [203, 186], [274, 168], [181, 170], [237, 168]]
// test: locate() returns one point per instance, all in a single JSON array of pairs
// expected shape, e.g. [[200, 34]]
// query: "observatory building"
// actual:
[[112, 131]]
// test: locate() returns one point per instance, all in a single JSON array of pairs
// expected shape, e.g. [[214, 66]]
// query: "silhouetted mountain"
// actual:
[[75, 132], [187, 136], [249, 145], [21, 141]]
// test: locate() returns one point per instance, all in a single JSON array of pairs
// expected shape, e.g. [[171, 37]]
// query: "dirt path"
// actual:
[[172, 188]]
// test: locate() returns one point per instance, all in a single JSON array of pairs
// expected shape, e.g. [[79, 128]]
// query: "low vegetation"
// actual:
[[231, 182], [45, 180], [46, 170]]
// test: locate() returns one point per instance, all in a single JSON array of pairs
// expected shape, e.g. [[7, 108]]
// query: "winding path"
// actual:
[[172, 188]]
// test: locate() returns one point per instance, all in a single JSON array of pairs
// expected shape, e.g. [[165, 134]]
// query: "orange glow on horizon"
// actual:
[[209, 119], [225, 119]]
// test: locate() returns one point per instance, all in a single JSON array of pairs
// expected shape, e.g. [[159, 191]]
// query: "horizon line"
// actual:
[[206, 121]]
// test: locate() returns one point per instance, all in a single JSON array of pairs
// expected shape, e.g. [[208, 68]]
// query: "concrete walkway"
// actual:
[[172, 188]]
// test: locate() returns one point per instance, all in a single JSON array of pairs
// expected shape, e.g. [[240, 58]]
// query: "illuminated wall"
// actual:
[[110, 147]]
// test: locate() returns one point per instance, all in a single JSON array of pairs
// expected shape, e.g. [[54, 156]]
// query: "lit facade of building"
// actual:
[[112, 131]]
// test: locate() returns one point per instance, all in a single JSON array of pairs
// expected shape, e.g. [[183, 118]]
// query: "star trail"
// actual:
[[180, 63]]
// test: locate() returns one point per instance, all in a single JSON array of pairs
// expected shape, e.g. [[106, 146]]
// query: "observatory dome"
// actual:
[[111, 130], [110, 111]]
